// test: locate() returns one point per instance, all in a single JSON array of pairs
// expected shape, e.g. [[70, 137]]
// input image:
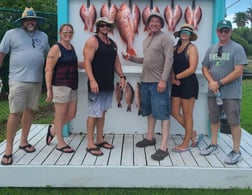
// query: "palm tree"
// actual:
[[249, 16], [240, 19]]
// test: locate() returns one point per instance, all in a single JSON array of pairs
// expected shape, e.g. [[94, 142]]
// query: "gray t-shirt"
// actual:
[[232, 54], [27, 54]]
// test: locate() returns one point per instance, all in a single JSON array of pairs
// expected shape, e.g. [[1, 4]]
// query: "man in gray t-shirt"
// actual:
[[28, 48], [222, 66]]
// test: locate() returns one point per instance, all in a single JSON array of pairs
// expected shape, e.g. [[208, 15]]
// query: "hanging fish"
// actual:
[[118, 94], [88, 16], [193, 15], [172, 16], [129, 96], [127, 21]]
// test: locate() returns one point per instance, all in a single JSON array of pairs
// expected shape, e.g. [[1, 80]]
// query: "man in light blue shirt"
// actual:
[[28, 48]]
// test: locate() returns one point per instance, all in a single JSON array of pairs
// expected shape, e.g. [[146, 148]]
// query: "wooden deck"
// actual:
[[125, 165]]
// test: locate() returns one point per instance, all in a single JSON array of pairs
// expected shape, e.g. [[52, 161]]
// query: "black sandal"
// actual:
[[7, 157]]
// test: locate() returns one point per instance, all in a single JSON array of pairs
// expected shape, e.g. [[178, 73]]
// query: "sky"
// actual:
[[235, 6]]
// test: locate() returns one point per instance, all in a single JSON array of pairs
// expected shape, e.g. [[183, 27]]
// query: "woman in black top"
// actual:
[[185, 85]]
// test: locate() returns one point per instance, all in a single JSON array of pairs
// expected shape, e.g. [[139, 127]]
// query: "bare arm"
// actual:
[[2, 55], [118, 70], [51, 61], [88, 53]]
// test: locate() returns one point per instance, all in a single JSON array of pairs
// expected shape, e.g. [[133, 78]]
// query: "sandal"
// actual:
[[25, 148], [105, 145], [90, 150], [9, 159], [64, 149], [49, 136]]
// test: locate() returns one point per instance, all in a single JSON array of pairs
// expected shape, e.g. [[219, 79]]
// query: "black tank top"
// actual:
[[103, 65], [181, 63], [66, 69]]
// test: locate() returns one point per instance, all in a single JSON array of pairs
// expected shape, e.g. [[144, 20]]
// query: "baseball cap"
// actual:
[[224, 24]]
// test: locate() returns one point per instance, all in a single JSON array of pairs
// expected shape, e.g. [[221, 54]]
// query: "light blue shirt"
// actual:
[[27, 54]]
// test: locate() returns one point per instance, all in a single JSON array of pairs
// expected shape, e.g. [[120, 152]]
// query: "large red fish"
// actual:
[[146, 13], [88, 16], [129, 96], [193, 17], [172, 16], [197, 17], [127, 23], [109, 12]]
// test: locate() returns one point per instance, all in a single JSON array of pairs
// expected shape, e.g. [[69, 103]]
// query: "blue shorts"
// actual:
[[152, 102]]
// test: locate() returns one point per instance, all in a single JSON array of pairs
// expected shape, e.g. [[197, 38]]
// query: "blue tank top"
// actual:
[[66, 69], [103, 65]]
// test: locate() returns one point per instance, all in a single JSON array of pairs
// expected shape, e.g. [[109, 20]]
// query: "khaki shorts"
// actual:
[[63, 94], [22, 95]]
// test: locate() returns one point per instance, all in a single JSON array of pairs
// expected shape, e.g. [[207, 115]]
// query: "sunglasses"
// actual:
[[219, 54], [33, 43], [225, 31], [66, 32], [103, 25], [188, 33]]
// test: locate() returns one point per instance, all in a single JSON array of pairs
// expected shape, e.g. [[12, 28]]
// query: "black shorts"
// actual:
[[186, 90]]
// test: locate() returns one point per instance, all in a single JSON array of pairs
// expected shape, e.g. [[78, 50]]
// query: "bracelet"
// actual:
[[219, 83], [123, 77], [176, 77]]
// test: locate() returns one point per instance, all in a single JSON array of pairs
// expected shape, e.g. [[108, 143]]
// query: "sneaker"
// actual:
[[159, 154], [145, 142], [211, 149], [233, 157]]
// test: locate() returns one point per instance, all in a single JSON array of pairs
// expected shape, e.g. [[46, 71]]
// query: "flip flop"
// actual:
[[25, 148], [90, 150], [7, 157], [179, 150], [103, 145], [196, 143], [49, 136], [63, 149]]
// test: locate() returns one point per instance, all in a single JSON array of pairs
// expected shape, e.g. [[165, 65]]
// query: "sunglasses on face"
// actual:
[[219, 54], [188, 33], [103, 25], [66, 32], [225, 31]]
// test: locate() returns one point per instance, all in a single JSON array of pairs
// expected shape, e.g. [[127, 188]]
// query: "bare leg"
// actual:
[[165, 134], [236, 135], [214, 132], [26, 122], [151, 125]]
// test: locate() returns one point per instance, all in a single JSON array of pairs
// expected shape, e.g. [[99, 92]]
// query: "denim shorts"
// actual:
[[98, 103], [231, 108], [152, 102]]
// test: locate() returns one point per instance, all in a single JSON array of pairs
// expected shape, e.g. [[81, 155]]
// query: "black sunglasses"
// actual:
[[225, 31], [219, 54], [103, 25], [33, 43]]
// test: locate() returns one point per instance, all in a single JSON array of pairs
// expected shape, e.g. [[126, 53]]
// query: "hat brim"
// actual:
[[39, 19], [111, 23], [223, 26], [193, 35]]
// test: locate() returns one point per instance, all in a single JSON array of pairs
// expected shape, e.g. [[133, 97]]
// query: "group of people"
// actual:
[[169, 85]]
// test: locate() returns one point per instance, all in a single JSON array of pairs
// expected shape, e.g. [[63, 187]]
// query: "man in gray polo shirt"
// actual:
[[223, 68], [28, 48]]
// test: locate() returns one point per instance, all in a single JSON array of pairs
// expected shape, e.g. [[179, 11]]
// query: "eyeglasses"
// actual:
[[225, 31], [66, 32], [33, 43], [219, 54], [188, 33], [103, 25]]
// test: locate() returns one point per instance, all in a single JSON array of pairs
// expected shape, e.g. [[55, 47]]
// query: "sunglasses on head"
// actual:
[[103, 25], [219, 54], [225, 31]]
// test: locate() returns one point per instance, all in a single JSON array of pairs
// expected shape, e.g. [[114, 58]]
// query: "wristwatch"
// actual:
[[123, 77], [219, 83]]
